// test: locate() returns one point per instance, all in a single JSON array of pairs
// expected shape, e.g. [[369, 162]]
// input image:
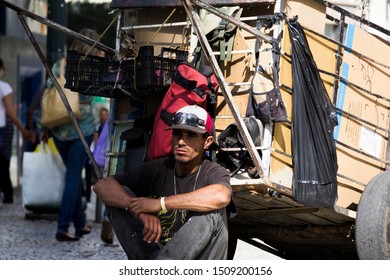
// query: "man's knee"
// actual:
[[215, 219], [129, 233], [203, 236]]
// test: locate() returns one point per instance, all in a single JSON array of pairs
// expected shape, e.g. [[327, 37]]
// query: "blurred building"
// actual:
[[376, 11]]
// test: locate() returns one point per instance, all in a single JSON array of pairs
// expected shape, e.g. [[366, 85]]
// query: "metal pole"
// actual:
[[195, 21], [56, 41], [354, 17], [338, 60], [232, 20], [61, 93]]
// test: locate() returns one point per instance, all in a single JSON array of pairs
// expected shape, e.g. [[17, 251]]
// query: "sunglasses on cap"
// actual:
[[188, 119]]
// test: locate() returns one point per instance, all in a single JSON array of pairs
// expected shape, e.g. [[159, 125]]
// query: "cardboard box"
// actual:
[[368, 140], [310, 13], [364, 105]]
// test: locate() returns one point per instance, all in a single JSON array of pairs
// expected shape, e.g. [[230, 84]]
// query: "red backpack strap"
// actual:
[[191, 85]]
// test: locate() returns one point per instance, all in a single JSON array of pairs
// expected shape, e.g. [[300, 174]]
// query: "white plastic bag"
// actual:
[[43, 178]]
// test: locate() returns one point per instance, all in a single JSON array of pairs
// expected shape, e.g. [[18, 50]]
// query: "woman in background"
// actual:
[[74, 155], [7, 110]]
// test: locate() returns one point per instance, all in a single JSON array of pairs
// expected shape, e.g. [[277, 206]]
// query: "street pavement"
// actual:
[[23, 238]]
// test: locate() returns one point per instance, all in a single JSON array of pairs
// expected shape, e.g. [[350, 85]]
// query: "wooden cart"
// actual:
[[267, 210], [355, 73]]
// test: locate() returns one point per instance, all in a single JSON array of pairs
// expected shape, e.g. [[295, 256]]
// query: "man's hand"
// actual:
[[152, 228], [139, 205], [144, 209]]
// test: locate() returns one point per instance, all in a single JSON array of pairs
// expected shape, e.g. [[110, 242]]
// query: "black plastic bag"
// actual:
[[314, 118]]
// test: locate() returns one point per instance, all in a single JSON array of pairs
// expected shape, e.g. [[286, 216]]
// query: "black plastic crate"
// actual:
[[99, 76], [156, 73]]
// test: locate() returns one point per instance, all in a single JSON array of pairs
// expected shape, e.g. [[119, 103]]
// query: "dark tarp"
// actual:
[[313, 121]]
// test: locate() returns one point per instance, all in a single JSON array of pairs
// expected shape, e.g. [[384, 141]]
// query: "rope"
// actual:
[[100, 36], [158, 30], [363, 6], [184, 37], [91, 48]]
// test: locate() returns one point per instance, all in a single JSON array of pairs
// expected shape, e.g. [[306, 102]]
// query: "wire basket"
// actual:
[[97, 76], [156, 73]]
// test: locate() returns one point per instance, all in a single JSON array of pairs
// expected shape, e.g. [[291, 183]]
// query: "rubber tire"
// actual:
[[373, 220]]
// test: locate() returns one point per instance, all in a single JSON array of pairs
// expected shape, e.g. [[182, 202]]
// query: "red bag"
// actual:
[[189, 87]]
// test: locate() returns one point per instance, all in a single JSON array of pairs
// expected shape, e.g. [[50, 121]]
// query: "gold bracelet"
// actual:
[[162, 204]]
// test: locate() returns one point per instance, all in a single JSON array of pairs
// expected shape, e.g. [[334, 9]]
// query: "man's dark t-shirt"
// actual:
[[155, 179]]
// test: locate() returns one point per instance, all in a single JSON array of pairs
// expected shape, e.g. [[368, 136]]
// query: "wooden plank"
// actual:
[[258, 199], [282, 220], [333, 216], [251, 200], [255, 202], [244, 205], [327, 214], [236, 70], [315, 218], [312, 219], [276, 212], [337, 235]]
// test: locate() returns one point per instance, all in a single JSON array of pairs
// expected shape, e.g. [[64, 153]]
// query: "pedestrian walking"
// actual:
[[73, 153], [7, 111]]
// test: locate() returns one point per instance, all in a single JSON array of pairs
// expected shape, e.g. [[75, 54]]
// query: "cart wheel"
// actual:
[[373, 219]]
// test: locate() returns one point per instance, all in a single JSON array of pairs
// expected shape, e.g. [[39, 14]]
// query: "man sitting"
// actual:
[[173, 207]]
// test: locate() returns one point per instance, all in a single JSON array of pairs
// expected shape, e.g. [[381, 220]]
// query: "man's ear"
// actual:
[[209, 140]]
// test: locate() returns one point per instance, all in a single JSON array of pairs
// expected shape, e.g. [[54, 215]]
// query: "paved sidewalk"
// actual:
[[27, 239]]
